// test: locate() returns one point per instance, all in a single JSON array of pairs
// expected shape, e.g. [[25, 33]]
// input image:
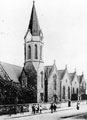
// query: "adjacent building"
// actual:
[[65, 84], [52, 84]]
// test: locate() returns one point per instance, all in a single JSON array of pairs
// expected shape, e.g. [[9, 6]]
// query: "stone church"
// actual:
[[48, 83], [33, 48]]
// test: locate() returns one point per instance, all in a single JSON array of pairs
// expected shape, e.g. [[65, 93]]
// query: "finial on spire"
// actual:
[[33, 2], [34, 24]]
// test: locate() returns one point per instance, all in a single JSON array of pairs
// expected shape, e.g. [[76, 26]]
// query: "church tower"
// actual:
[[33, 53]]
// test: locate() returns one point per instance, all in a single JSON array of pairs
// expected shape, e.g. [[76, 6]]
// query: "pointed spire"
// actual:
[[34, 25], [33, 1]]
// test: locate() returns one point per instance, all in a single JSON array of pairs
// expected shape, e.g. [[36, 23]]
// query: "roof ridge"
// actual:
[[11, 64]]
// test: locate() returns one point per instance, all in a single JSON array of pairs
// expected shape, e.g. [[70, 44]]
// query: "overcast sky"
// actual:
[[64, 26]]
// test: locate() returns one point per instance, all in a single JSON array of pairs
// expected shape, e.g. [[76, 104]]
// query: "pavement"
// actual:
[[27, 114], [18, 115]]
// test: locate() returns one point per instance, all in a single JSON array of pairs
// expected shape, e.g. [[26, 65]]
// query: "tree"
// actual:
[[31, 89]]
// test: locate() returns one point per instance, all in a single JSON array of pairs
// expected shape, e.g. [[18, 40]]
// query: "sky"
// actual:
[[64, 26]]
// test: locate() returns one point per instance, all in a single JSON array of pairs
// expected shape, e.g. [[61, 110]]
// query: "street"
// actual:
[[59, 115]]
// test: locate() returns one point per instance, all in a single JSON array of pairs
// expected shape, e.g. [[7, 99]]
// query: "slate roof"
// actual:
[[47, 71], [33, 24], [61, 73], [12, 71], [71, 76], [80, 77]]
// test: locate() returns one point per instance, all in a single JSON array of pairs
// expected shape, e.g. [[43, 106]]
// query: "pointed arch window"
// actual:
[[73, 90], [54, 79], [29, 53], [63, 92], [40, 52], [41, 79], [77, 91], [36, 52], [85, 85], [68, 92]]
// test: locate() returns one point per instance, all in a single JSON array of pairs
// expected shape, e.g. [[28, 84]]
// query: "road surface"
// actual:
[[59, 115]]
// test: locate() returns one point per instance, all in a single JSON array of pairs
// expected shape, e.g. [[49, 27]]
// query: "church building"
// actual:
[[47, 82]]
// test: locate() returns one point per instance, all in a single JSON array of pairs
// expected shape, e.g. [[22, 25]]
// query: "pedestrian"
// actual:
[[36, 108], [69, 103], [54, 107], [51, 107], [40, 109], [77, 106], [33, 109], [21, 109]]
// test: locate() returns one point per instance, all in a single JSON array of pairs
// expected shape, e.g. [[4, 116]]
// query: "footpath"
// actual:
[[25, 114]]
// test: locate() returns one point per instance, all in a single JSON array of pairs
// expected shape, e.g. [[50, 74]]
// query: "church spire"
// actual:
[[33, 24]]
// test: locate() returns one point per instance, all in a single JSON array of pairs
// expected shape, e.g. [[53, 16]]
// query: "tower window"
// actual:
[[29, 53], [40, 52], [41, 79], [41, 95], [36, 57], [54, 79]]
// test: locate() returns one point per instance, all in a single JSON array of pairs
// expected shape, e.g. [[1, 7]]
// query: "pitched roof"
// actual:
[[34, 24], [12, 71], [61, 73], [71, 76], [80, 77], [47, 70]]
